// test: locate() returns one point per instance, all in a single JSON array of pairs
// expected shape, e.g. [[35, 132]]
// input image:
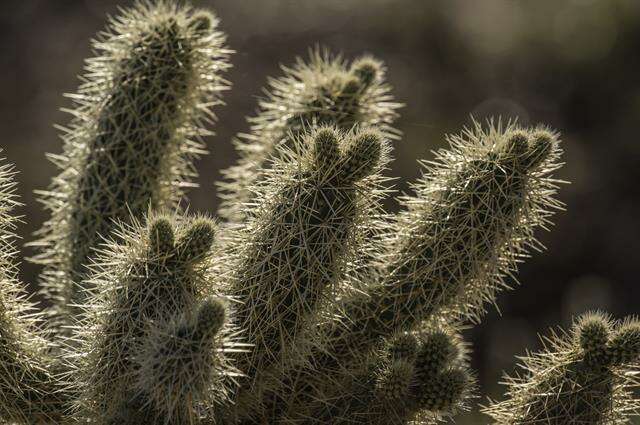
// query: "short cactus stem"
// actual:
[[579, 378], [324, 91]]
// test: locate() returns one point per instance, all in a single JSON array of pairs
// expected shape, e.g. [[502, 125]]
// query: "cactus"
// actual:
[[145, 304], [135, 132], [29, 389], [295, 246], [582, 377], [324, 91], [472, 217], [310, 304]]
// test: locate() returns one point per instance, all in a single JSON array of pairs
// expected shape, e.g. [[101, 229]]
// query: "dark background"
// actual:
[[573, 65]]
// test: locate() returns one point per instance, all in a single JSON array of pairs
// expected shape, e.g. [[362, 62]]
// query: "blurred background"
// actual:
[[572, 64]]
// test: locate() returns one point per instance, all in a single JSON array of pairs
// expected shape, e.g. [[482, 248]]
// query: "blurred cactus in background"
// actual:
[[309, 303]]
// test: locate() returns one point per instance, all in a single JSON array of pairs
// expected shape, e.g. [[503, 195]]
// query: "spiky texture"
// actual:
[[580, 378], [472, 218], [135, 131], [30, 391], [413, 378], [315, 308], [181, 372], [155, 275], [326, 90], [317, 201]]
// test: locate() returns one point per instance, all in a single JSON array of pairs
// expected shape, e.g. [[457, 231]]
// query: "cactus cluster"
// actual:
[[307, 302]]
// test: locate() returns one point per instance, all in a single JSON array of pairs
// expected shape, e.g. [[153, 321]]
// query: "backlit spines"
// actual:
[[324, 91], [136, 129], [566, 384], [472, 217], [293, 252], [30, 390], [155, 272]]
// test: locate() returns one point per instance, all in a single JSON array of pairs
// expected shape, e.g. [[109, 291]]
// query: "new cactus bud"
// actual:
[[403, 347], [362, 157], [436, 352], [326, 151], [576, 380], [393, 384], [196, 243], [367, 69], [624, 347], [444, 391], [325, 91], [182, 369], [592, 333], [135, 133], [161, 236]]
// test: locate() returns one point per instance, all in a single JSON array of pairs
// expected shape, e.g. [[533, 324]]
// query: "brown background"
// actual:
[[571, 64]]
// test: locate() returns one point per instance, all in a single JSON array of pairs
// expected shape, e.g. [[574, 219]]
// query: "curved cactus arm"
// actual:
[[135, 131], [582, 377], [31, 388], [469, 224], [324, 91], [152, 274]]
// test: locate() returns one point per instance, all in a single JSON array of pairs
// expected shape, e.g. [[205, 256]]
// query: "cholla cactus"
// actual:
[[312, 306], [134, 134], [581, 378], [29, 391], [413, 378], [151, 335], [473, 216], [324, 91]]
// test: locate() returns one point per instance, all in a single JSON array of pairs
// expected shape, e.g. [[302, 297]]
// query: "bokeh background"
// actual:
[[572, 64]]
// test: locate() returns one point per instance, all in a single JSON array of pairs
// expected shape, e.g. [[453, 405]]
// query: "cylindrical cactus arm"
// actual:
[[323, 91], [135, 131], [30, 391], [149, 277], [472, 218], [580, 377], [473, 215], [296, 245]]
